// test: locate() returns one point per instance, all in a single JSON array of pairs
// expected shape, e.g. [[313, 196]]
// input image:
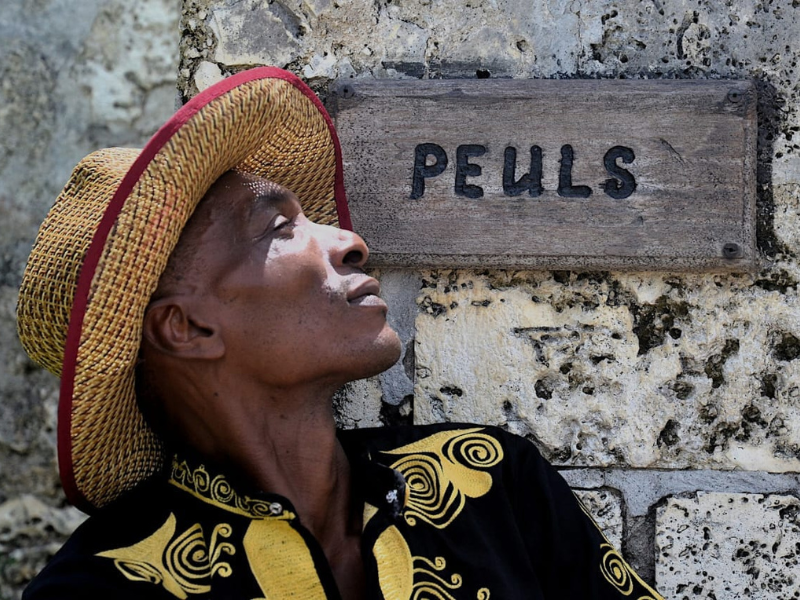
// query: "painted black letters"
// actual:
[[565, 187], [423, 170], [622, 184], [619, 186], [465, 169], [531, 181]]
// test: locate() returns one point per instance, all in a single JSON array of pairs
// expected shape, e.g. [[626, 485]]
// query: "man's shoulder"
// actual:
[[79, 568], [435, 437]]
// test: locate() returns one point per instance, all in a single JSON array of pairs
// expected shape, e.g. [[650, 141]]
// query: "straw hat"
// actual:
[[104, 244]]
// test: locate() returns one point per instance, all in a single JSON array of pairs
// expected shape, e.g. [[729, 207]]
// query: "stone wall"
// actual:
[[671, 402], [75, 75]]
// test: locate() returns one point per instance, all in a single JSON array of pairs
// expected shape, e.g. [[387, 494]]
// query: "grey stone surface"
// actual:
[[249, 33], [358, 404], [643, 488], [400, 287], [74, 76], [206, 75], [30, 533], [605, 506], [715, 546]]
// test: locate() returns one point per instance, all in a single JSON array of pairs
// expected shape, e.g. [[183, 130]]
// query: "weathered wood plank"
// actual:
[[662, 172]]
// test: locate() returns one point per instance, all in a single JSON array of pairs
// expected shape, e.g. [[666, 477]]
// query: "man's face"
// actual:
[[289, 296]]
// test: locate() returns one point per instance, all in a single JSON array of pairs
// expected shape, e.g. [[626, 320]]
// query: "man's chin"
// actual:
[[387, 350]]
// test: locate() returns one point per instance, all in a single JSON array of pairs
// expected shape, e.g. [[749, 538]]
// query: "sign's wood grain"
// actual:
[[575, 174]]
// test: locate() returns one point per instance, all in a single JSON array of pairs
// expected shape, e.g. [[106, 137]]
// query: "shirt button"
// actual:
[[275, 508]]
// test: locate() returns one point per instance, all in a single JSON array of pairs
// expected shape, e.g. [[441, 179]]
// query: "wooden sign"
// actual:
[[556, 174]]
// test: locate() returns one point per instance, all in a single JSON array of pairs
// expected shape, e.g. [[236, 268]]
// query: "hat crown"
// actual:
[[51, 274]]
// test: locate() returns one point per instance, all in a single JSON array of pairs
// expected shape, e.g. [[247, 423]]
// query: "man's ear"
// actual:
[[175, 328]]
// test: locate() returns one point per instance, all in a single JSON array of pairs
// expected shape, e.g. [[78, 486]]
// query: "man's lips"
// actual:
[[366, 293]]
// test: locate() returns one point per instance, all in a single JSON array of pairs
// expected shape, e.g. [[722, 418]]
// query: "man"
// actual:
[[202, 311]]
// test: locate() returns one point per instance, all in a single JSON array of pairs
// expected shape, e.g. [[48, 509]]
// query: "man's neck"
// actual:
[[283, 444], [304, 462]]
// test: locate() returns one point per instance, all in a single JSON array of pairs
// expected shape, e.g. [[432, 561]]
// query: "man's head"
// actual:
[[257, 296], [104, 246]]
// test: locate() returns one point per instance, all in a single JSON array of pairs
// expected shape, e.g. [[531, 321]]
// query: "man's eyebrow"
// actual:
[[267, 199]]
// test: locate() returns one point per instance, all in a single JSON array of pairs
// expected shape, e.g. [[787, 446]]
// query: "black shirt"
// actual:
[[450, 512]]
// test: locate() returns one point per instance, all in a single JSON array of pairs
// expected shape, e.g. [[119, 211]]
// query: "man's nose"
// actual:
[[346, 247]]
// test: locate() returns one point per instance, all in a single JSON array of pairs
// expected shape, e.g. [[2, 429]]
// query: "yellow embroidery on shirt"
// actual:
[[616, 570], [619, 574], [442, 469], [429, 584], [369, 512], [402, 576], [218, 491], [183, 565], [395, 565], [281, 561]]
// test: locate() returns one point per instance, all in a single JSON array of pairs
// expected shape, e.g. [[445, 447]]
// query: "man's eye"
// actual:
[[283, 223]]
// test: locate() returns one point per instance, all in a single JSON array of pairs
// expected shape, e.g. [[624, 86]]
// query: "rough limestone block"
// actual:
[[724, 546], [358, 404], [248, 33], [206, 75], [405, 42], [643, 370], [787, 218], [320, 66], [128, 56], [399, 288], [31, 532], [29, 517], [606, 509]]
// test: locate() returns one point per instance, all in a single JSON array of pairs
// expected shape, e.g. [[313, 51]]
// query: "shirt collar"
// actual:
[[378, 485]]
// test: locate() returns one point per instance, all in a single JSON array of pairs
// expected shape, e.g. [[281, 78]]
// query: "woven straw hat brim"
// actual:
[[104, 245]]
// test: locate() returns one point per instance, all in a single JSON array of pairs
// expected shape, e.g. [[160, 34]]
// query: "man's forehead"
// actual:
[[244, 185], [264, 187], [248, 191], [237, 195]]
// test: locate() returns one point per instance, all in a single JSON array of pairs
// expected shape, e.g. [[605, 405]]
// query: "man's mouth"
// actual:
[[366, 293]]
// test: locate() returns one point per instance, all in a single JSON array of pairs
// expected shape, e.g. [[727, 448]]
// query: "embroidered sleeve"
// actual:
[[76, 573], [572, 557]]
